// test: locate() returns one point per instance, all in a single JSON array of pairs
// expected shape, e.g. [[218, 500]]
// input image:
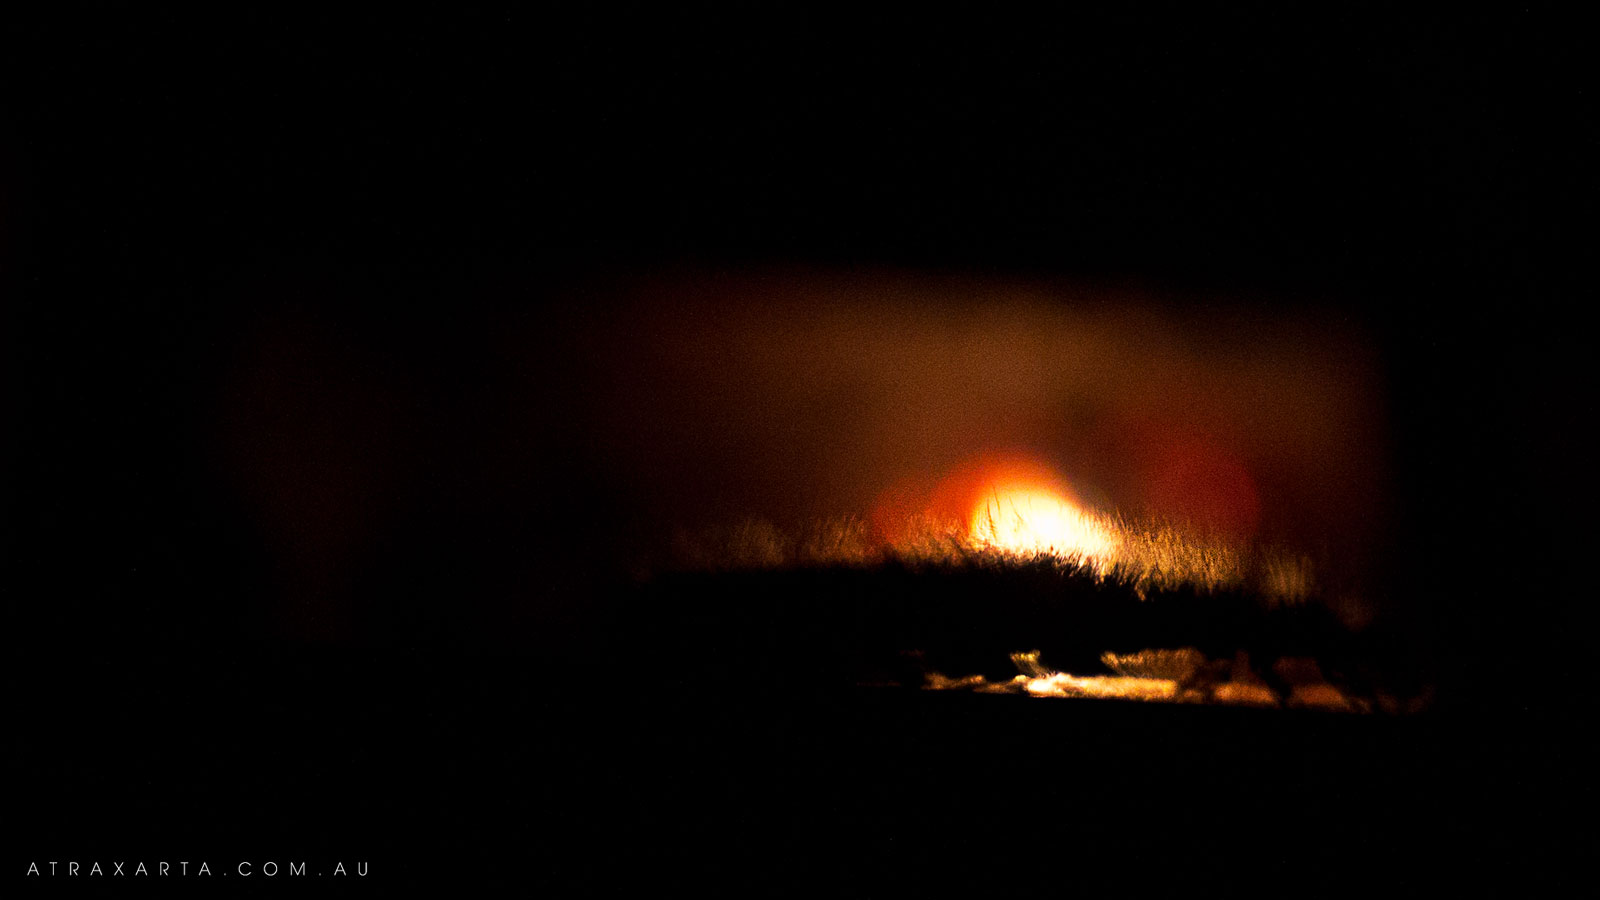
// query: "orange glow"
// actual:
[[1015, 504], [1113, 687], [1022, 518], [1180, 675], [1011, 505]]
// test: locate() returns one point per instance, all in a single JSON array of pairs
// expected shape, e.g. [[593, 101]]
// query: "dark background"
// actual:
[[408, 182]]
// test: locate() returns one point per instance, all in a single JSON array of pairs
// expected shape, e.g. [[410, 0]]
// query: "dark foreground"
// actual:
[[463, 771]]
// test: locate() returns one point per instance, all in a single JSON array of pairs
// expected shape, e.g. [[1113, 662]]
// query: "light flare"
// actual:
[[1032, 520], [1117, 687]]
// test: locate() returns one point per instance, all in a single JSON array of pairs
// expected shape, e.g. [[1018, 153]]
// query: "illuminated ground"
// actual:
[[1030, 627]]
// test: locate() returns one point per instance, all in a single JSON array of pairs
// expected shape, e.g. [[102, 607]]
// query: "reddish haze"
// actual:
[[791, 396]]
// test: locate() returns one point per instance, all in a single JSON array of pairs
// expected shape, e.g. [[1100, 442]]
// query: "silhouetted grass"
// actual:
[[756, 608], [1149, 557]]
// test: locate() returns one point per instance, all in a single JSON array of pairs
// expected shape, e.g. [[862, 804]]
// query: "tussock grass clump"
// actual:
[[1146, 557], [755, 544]]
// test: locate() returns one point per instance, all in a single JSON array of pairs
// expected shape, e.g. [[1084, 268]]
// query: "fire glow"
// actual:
[[1015, 506], [1022, 519], [1009, 509]]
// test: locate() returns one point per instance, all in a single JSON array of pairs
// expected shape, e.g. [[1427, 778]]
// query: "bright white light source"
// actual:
[[1037, 520]]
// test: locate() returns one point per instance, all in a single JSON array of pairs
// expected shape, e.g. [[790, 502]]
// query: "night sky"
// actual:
[[305, 310]]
